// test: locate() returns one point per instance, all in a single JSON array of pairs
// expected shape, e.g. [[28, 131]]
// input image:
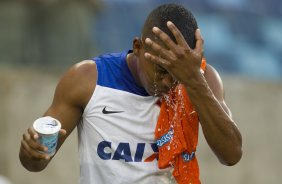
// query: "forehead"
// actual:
[[156, 40]]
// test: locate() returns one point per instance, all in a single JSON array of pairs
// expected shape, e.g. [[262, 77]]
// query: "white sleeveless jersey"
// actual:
[[116, 133]]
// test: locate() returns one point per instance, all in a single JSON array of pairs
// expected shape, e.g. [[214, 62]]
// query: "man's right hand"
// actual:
[[31, 148]]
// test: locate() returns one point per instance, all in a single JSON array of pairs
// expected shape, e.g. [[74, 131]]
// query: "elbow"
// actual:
[[234, 159], [235, 153]]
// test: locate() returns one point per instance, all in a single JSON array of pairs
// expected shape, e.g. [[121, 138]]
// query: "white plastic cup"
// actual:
[[48, 129]]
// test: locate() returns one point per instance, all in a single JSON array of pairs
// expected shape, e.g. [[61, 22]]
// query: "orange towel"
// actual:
[[177, 135]]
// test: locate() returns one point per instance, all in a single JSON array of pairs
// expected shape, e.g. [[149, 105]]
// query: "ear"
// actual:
[[137, 45]]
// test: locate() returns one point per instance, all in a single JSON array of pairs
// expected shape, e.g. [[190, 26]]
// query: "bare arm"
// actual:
[[71, 96], [219, 129], [205, 92]]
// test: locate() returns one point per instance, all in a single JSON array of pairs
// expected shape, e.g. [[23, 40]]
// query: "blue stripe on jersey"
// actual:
[[113, 72]]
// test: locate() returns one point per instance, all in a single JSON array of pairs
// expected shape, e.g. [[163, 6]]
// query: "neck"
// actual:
[[132, 63]]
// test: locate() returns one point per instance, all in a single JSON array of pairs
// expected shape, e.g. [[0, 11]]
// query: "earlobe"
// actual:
[[137, 45]]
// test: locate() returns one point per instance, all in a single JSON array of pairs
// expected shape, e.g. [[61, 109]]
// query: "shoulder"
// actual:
[[84, 71], [77, 85], [211, 73], [214, 81]]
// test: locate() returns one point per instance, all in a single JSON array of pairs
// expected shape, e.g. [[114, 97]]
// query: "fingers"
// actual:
[[164, 38], [157, 60], [32, 143], [172, 52], [31, 148], [63, 132], [160, 51], [32, 153], [177, 34], [179, 38], [33, 133], [199, 43], [175, 50]]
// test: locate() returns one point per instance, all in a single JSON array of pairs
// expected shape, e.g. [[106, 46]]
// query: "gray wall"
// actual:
[[42, 34], [25, 95]]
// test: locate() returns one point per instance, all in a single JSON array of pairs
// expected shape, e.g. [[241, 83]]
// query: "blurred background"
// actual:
[[40, 39]]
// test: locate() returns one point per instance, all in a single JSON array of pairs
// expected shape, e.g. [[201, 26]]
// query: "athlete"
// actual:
[[113, 99]]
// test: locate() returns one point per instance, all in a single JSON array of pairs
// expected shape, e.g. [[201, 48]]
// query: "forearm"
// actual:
[[219, 129]]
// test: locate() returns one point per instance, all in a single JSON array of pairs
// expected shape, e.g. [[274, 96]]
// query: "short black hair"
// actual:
[[182, 18]]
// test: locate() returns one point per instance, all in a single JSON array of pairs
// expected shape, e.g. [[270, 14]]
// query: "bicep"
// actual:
[[215, 83]]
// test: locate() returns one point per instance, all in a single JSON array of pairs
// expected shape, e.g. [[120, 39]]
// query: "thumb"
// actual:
[[63, 132]]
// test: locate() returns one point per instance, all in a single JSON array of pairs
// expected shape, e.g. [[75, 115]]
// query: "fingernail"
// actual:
[[35, 136], [146, 55], [155, 29], [169, 23], [199, 30], [47, 157], [148, 41]]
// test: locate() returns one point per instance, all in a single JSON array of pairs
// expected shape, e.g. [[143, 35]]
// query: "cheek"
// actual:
[[148, 82], [147, 73]]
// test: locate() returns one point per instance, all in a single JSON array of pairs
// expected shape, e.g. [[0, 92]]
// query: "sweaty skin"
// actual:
[[205, 91], [173, 62]]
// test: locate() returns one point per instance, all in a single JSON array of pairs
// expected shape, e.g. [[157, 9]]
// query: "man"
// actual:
[[113, 99]]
